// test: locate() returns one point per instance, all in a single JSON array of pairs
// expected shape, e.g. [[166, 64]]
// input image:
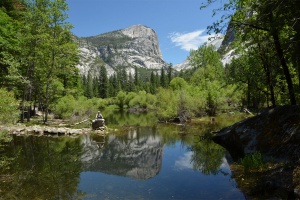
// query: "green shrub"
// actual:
[[65, 106], [167, 103], [252, 162], [129, 97], [82, 107], [9, 112], [120, 99]]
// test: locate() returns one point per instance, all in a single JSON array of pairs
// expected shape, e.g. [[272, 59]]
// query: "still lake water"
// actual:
[[139, 161]]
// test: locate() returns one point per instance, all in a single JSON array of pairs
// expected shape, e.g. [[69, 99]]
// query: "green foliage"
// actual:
[[65, 106], [68, 107], [178, 83], [167, 103], [9, 44], [130, 96], [143, 100], [209, 79], [8, 107], [43, 65], [266, 33], [120, 99], [252, 162]]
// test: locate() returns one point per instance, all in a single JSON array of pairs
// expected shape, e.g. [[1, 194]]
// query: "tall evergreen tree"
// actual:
[[96, 87], [163, 81], [169, 72], [152, 83], [90, 86], [131, 85], [136, 77], [104, 83]]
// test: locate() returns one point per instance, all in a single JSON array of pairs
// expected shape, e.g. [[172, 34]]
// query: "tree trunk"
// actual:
[[281, 57], [267, 69], [248, 94]]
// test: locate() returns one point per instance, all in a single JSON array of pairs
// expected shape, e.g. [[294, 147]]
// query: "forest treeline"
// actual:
[[38, 58]]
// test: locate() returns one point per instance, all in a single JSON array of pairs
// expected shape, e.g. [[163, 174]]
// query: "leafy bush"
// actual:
[[178, 83], [143, 100], [65, 106], [120, 100], [167, 103], [129, 97], [8, 107], [252, 161], [68, 106]]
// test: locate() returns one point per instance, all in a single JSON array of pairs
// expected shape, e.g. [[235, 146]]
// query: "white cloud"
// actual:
[[189, 41], [184, 162]]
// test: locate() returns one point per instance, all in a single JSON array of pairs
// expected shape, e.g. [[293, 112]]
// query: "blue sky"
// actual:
[[180, 24]]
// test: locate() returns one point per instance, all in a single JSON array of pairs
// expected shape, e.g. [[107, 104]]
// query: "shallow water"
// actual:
[[138, 162], [148, 168]]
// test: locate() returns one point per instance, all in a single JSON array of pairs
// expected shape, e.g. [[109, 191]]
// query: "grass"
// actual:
[[253, 162]]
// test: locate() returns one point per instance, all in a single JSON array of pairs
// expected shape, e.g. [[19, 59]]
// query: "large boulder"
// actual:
[[274, 133]]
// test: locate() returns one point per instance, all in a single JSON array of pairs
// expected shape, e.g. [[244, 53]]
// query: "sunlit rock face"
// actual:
[[136, 46], [137, 156], [90, 59]]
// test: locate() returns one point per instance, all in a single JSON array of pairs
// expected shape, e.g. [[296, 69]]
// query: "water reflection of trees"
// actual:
[[43, 168], [123, 118], [207, 156]]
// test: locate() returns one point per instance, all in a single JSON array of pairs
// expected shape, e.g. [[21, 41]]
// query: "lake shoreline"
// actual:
[[275, 134]]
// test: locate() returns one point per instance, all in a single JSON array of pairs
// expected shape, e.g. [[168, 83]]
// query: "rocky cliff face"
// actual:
[[90, 59], [136, 46]]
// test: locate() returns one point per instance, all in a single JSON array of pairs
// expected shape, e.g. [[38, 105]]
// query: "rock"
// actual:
[[133, 46], [98, 124], [50, 131], [74, 132], [274, 133]]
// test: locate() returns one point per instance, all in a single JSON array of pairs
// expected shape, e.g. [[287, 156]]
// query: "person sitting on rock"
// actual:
[[99, 115]]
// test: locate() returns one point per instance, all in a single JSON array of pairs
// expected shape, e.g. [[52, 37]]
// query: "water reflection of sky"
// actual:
[[185, 162], [176, 180]]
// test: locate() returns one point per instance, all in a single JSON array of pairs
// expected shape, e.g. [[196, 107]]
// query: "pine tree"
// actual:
[[169, 71], [104, 83], [90, 88], [152, 83], [163, 81]]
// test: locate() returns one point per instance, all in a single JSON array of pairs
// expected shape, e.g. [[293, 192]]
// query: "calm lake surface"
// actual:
[[142, 160]]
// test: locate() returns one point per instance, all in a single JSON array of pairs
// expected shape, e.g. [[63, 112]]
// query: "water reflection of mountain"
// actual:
[[137, 155]]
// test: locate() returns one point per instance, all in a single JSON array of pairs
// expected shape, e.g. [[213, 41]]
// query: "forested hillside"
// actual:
[[39, 55]]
